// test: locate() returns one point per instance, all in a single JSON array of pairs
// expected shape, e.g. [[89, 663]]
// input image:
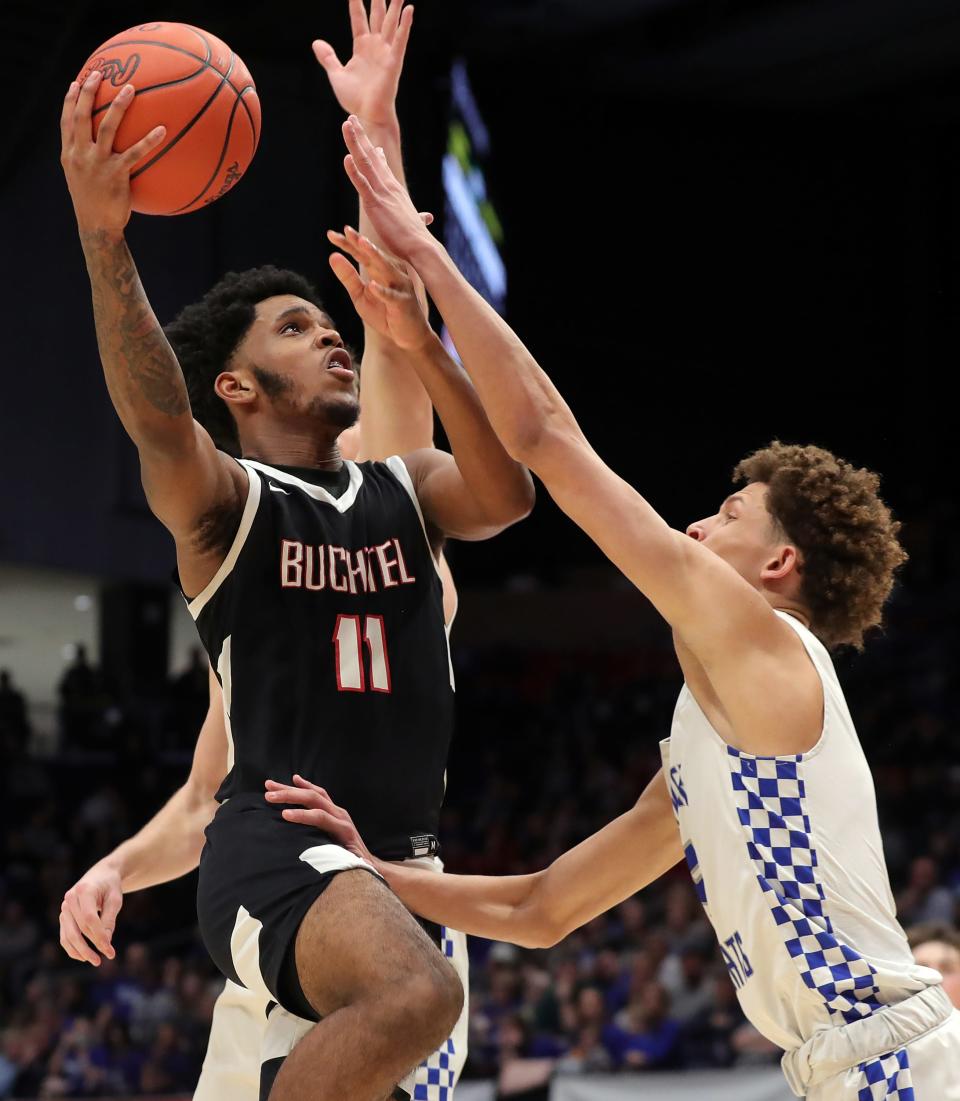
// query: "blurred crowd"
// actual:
[[549, 747]]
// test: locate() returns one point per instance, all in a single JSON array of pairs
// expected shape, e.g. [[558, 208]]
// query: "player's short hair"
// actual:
[[205, 334], [846, 535], [928, 931]]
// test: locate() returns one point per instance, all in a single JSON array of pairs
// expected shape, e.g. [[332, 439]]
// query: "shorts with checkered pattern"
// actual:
[[926, 1070]]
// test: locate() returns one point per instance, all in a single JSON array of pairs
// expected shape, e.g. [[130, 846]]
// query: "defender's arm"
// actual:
[[479, 490], [724, 622], [397, 414], [167, 847], [534, 910]]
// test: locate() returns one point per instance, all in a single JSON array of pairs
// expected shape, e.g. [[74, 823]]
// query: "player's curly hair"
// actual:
[[205, 335], [846, 535]]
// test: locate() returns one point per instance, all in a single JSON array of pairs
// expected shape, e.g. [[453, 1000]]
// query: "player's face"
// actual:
[[742, 532], [299, 361], [938, 955]]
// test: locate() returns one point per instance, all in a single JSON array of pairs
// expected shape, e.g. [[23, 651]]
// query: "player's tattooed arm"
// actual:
[[141, 370], [142, 373], [536, 910], [184, 475]]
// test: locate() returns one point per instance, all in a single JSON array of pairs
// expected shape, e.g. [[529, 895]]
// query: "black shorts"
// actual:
[[259, 875]]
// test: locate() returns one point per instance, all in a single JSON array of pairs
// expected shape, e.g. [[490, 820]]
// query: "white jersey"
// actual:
[[786, 857]]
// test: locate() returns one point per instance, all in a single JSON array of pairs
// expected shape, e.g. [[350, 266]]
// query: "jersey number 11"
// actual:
[[348, 646]]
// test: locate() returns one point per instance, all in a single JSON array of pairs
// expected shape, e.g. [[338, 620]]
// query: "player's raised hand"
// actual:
[[99, 178], [314, 807], [367, 84], [89, 910], [385, 200], [383, 292]]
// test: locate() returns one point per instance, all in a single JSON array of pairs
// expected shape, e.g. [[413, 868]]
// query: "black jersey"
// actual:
[[325, 627]]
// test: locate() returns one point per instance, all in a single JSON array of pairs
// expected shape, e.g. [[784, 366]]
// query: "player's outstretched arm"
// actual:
[[480, 489], [184, 475], [167, 847], [397, 413], [536, 910], [741, 640]]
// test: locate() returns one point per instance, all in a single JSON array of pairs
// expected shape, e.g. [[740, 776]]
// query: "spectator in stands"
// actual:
[[18, 932], [81, 702], [119, 1061], [171, 1065], [547, 1010], [586, 1054], [686, 979], [14, 724], [923, 898], [71, 1073], [707, 1039], [188, 696], [611, 975], [643, 1035], [937, 945]]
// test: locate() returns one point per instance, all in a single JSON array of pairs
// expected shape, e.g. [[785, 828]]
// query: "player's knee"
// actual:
[[429, 1003]]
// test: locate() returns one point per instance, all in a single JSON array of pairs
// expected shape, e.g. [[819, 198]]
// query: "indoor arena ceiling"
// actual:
[[795, 53]]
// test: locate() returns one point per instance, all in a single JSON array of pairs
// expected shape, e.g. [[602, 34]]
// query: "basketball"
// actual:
[[192, 83]]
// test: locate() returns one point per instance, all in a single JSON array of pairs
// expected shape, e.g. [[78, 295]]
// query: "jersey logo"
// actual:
[[277, 489], [321, 567], [678, 793], [734, 956], [693, 863]]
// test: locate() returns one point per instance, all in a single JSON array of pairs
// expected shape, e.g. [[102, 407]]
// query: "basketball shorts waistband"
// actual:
[[834, 1050]]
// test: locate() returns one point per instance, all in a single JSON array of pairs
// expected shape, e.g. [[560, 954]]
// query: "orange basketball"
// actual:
[[193, 84]]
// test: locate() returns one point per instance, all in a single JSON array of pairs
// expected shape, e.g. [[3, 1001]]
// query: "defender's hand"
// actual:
[[316, 808], [384, 296], [99, 178], [367, 84], [385, 200], [90, 909]]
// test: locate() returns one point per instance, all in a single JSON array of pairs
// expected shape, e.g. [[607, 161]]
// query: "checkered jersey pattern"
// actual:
[[435, 1076], [446, 942], [887, 1078], [769, 793]]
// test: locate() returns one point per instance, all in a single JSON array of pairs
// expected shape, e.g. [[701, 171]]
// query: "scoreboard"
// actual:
[[472, 232]]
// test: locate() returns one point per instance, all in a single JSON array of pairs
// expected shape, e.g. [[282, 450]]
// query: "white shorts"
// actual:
[[927, 1069], [231, 1067]]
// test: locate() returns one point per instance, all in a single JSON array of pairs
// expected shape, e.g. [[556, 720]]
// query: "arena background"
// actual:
[[724, 222]]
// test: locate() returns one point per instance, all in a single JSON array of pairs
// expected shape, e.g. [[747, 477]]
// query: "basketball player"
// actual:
[[315, 587], [765, 790], [397, 418]]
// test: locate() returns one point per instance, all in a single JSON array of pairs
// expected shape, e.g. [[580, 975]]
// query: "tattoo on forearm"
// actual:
[[138, 362]]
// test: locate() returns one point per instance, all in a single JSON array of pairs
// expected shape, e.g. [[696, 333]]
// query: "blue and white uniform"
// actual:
[[786, 857]]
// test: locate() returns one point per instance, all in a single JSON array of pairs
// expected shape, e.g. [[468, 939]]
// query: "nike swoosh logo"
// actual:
[[277, 489]]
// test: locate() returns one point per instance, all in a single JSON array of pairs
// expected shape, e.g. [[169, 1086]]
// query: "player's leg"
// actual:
[[435, 1077], [385, 995], [231, 1067]]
